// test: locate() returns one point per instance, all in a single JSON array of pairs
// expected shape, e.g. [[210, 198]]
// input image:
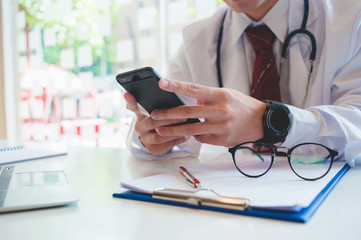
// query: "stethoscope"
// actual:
[[301, 30]]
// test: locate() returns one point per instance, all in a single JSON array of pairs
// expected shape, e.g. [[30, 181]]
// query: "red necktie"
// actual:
[[265, 79]]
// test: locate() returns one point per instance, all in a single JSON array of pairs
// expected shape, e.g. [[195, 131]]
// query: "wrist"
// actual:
[[259, 133]]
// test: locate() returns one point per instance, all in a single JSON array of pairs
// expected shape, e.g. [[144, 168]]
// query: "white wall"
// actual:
[[9, 83]]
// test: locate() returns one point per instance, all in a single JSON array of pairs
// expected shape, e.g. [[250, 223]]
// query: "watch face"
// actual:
[[279, 120], [276, 122]]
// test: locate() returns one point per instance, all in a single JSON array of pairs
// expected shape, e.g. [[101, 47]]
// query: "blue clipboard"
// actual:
[[303, 215]]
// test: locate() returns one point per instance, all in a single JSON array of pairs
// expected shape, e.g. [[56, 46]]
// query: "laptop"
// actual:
[[22, 188]]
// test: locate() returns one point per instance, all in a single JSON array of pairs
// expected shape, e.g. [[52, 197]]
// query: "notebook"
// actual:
[[13, 154]]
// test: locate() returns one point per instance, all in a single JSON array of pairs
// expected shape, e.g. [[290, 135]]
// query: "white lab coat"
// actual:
[[331, 115]]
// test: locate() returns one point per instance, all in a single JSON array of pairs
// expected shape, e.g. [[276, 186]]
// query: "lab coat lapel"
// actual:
[[200, 48], [298, 53], [235, 71], [298, 73], [234, 68]]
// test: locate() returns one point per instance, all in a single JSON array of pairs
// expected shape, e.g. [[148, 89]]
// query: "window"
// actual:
[[70, 51]]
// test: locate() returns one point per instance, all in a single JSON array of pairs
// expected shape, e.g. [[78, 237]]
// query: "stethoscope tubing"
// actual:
[[301, 30]]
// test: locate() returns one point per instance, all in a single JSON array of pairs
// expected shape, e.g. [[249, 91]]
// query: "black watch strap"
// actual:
[[276, 121]]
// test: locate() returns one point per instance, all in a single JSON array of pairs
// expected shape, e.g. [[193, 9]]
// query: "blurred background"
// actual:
[[60, 58]]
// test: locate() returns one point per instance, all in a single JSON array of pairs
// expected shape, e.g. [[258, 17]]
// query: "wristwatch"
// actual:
[[276, 121]]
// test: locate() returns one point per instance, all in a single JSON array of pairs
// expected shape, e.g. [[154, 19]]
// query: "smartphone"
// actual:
[[142, 83]]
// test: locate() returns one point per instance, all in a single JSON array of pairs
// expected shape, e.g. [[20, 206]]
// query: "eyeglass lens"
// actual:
[[308, 161], [253, 159]]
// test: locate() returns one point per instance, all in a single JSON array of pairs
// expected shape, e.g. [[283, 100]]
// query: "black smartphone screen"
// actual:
[[142, 83]]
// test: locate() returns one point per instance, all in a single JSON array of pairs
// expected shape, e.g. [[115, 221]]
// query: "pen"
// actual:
[[191, 180]]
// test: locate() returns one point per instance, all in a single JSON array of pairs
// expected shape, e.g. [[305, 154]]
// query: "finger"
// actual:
[[132, 103], [210, 139], [191, 112], [149, 124], [188, 89], [159, 149], [190, 129], [155, 138]]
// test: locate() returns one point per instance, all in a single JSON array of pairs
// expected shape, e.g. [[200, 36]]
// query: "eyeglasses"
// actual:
[[309, 161]]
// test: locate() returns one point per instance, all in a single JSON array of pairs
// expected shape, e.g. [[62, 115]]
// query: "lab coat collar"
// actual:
[[239, 22], [275, 19]]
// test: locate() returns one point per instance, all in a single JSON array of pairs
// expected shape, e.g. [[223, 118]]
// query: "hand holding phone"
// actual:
[[142, 83]]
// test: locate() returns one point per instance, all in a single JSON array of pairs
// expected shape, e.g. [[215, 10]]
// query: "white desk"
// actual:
[[97, 172]]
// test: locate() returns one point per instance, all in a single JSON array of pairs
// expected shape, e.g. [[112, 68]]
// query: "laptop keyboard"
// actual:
[[5, 176]]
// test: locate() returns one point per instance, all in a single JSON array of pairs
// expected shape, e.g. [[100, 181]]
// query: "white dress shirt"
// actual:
[[331, 114]]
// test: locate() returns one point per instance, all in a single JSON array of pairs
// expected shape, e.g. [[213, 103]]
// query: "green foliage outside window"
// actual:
[[83, 13]]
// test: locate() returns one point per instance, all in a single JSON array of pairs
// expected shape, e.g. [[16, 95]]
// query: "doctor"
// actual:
[[322, 106]]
